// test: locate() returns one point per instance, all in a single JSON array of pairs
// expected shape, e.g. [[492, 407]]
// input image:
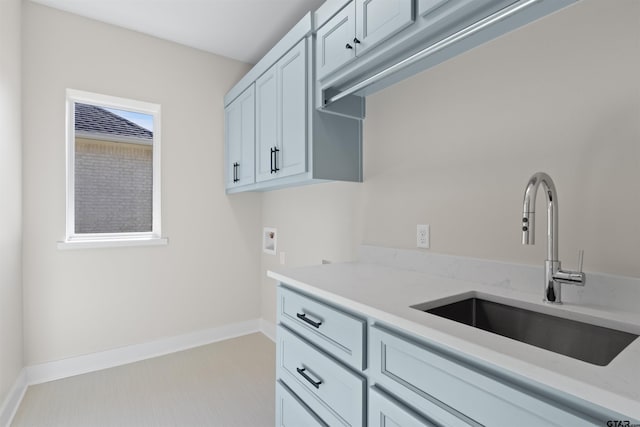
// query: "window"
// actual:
[[113, 171]]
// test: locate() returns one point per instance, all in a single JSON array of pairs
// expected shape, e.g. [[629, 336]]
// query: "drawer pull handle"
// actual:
[[304, 317], [316, 384]]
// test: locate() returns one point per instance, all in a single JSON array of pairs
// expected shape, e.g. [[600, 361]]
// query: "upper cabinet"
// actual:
[[358, 27], [424, 6], [377, 20], [335, 41], [296, 116], [240, 139], [395, 39], [266, 124], [292, 143], [281, 113]]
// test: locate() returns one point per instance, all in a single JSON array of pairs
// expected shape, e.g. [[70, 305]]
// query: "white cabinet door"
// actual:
[[361, 25], [377, 20], [240, 140], [266, 124], [281, 117], [291, 155], [335, 44]]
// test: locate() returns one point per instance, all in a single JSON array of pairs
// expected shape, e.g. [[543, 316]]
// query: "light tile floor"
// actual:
[[226, 384]]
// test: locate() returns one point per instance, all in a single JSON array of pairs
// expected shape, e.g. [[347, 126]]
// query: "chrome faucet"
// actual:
[[554, 276]]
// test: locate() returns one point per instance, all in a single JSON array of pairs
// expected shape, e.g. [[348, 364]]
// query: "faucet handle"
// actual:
[[580, 258], [572, 277]]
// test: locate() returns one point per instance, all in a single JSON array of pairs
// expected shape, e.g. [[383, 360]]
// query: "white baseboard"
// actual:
[[269, 329], [50, 371], [13, 399], [58, 369]]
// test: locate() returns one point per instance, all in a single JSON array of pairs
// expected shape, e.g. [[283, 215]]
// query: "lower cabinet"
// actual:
[[338, 333], [385, 410], [435, 384], [405, 381], [291, 411], [327, 387]]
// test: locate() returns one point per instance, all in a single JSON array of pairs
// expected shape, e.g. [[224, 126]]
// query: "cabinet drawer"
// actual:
[[291, 411], [384, 412], [418, 374], [337, 332], [328, 388]]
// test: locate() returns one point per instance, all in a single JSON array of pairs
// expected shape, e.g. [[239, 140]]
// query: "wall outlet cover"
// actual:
[[422, 236]]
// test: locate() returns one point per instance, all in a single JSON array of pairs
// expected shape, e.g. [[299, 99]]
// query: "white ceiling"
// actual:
[[240, 29]]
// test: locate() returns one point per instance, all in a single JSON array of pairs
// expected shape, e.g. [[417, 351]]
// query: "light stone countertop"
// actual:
[[386, 293]]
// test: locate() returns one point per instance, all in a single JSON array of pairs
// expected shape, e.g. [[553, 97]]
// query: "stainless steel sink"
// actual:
[[590, 343]]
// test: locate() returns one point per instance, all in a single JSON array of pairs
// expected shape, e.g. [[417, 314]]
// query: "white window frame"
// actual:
[[94, 240]]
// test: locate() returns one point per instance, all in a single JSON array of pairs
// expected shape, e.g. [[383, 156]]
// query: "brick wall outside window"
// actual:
[[113, 187]]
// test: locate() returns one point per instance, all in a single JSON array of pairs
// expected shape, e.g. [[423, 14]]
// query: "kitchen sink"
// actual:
[[590, 343]]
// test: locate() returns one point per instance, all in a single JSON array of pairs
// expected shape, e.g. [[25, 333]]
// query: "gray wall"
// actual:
[[83, 301], [455, 151], [11, 197], [454, 147]]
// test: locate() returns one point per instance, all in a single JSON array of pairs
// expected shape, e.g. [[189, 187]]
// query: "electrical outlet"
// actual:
[[422, 236]]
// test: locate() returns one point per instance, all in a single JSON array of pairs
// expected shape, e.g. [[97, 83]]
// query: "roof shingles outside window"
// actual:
[[97, 120]]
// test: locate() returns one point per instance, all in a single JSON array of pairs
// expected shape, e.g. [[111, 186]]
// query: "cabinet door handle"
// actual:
[[276, 150], [356, 41], [271, 160], [303, 317], [348, 46], [316, 384], [235, 172]]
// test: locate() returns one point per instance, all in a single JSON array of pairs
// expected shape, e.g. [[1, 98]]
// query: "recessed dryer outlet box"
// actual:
[[269, 240]]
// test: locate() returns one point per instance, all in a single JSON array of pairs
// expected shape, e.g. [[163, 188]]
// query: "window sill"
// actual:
[[92, 244]]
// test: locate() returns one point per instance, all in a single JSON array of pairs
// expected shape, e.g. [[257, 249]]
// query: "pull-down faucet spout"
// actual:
[[528, 213], [554, 276]]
